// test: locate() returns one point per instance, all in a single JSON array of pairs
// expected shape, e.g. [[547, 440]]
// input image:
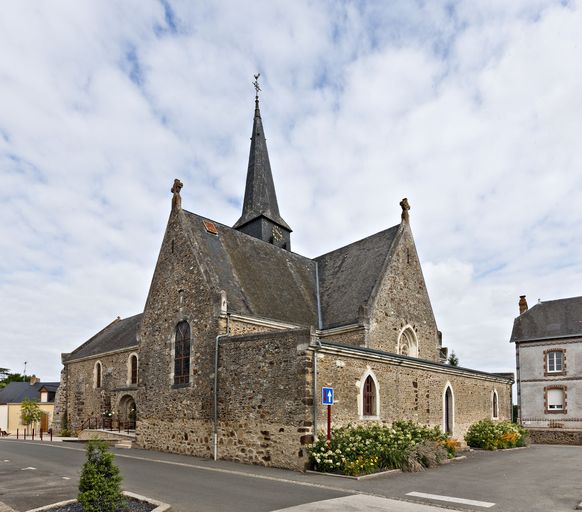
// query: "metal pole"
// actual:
[[17, 433], [33, 434], [329, 425]]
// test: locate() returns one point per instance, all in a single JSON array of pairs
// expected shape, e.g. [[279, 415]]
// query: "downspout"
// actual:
[[315, 394], [215, 423], [518, 390], [315, 349]]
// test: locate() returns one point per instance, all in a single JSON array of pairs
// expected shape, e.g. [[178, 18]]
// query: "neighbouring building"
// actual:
[[548, 348], [239, 334], [12, 396]]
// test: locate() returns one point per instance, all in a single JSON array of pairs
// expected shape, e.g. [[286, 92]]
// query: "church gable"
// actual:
[[401, 319]]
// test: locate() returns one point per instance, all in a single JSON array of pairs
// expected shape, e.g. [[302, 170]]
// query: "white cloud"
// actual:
[[469, 109]]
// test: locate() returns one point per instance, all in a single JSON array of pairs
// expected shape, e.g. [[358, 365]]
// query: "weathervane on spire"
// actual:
[[256, 84]]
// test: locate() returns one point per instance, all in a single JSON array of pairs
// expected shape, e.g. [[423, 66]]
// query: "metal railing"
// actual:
[[106, 423]]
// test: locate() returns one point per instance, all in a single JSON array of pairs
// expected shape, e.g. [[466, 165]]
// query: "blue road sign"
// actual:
[[327, 396]]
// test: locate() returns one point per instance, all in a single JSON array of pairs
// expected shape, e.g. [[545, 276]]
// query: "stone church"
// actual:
[[239, 334]]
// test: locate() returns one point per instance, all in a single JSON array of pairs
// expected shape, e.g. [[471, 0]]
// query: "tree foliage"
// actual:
[[8, 377], [453, 360], [100, 482], [30, 412]]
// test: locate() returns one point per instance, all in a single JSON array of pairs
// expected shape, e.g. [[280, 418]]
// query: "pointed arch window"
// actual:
[[98, 371], [448, 410], [407, 343], [369, 397], [182, 353], [495, 405], [132, 369]]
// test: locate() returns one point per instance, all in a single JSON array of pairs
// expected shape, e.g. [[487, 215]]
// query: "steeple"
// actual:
[[260, 216]]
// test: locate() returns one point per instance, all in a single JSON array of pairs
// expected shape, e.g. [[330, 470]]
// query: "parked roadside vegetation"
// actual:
[[360, 450], [490, 435]]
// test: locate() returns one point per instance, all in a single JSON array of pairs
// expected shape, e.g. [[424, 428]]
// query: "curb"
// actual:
[[160, 506], [362, 477]]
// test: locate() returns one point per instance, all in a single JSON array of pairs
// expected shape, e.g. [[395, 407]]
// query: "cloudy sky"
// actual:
[[470, 109]]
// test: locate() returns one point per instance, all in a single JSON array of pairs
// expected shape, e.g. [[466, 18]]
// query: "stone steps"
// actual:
[[125, 443]]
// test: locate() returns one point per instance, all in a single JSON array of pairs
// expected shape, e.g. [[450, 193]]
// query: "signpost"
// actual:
[[327, 399]]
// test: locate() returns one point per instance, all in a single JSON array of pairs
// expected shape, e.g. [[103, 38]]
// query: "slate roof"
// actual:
[[16, 392], [263, 280], [259, 278], [347, 276], [550, 319], [260, 197], [117, 335]]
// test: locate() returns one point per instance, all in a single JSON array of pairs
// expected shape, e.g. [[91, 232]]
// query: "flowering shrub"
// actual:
[[451, 445], [358, 450], [491, 435]]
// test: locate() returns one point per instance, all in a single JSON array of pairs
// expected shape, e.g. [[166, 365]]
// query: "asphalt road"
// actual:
[[539, 478]]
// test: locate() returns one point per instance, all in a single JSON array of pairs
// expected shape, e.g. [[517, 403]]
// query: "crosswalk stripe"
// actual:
[[451, 499]]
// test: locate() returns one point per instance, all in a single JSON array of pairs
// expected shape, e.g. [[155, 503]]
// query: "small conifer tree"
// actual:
[[100, 482], [453, 359]]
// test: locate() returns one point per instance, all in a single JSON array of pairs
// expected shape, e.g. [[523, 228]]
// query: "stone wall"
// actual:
[[265, 396], [406, 391], [80, 399], [353, 336], [177, 417], [402, 300], [555, 436]]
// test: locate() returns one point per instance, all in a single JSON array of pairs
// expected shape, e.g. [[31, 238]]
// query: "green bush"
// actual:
[[358, 450], [100, 483], [490, 435]]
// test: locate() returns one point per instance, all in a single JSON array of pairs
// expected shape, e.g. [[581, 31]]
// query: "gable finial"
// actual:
[[405, 207], [176, 199]]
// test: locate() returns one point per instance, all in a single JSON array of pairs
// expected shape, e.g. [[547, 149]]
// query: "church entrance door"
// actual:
[[127, 413]]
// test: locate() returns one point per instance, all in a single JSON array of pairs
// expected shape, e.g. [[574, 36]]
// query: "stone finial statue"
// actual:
[[405, 207], [176, 199]]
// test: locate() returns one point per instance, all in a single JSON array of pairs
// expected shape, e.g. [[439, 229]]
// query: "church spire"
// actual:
[[260, 216]]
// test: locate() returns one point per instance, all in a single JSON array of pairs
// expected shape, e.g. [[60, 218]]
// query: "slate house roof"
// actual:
[[16, 392], [552, 319], [119, 334]]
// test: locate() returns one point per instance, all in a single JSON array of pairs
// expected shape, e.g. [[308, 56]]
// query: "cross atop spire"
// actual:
[[260, 216]]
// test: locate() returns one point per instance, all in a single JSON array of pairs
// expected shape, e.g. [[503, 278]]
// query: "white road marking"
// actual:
[[6, 460], [66, 478], [25, 469], [451, 499]]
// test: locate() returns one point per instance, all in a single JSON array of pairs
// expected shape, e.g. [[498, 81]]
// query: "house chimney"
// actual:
[[33, 380], [522, 304]]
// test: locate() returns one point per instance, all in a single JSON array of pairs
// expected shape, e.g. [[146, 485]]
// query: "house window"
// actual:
[[555, 399], [133, 369], [44, 396], [495, 405], [182, 354], [369, 397], [98, 374], [555, 361]]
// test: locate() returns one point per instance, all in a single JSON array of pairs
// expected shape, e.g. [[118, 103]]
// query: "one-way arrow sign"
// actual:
[[327, 396]]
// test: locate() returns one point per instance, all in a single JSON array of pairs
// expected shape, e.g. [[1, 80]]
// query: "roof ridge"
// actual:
[[357, 241], [118, 319]]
